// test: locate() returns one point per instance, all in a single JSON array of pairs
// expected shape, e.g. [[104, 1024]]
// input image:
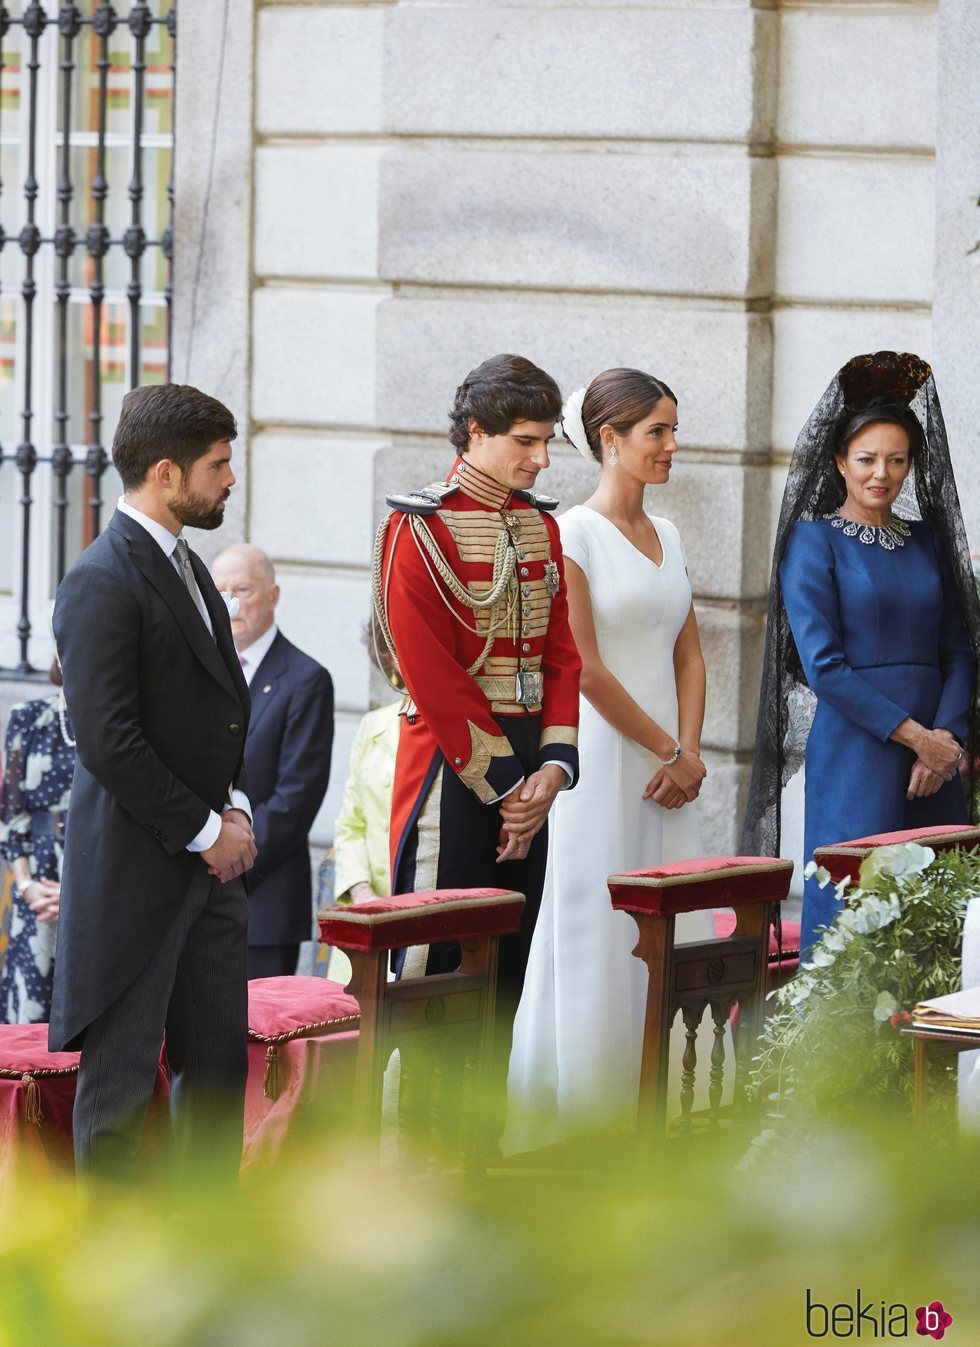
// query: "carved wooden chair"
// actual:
[[689, 978], [441, 1025]]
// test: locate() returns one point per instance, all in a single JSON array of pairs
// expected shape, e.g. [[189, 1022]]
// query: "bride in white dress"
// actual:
[[579, 1028]]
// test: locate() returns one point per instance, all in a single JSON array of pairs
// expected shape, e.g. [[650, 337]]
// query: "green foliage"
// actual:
[[666, 1244], [832, 1043]]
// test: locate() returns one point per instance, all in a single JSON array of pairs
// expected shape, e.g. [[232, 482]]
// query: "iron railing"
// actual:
[[68, 126]]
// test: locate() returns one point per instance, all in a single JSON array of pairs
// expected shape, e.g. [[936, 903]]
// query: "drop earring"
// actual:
[[613, 456]]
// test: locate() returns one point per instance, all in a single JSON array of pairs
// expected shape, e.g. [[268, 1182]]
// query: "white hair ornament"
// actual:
[[573, 426]]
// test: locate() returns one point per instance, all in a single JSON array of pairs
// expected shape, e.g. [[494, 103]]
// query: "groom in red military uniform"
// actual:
[[470, 595]]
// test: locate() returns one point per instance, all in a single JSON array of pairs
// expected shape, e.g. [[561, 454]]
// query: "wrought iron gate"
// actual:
[[86, 240]]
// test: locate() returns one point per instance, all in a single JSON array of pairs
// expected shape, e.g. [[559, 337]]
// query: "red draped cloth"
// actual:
[[302, 1045], [37, 1095]]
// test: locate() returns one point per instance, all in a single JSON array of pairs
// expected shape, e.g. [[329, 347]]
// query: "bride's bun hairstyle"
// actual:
[[616, 397]]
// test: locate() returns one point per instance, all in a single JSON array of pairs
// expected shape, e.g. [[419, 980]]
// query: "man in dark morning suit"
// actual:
[[151, 941], [287, 758]]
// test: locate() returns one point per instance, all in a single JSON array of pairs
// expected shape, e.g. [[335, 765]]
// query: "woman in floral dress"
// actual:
[[40, 760]]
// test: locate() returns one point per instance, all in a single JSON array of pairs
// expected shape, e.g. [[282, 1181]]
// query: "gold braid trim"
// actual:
[[559, 734], [379, 588], [484, 748], [503, 584]]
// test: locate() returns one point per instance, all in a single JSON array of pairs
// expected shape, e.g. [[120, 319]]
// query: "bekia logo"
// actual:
[[933, 1320], [873, 1319]]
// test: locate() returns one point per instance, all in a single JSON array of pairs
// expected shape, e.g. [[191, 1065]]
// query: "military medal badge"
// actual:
[[551, 581]]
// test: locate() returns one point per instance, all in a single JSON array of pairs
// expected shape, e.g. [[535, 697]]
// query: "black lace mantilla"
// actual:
[[786, 704]]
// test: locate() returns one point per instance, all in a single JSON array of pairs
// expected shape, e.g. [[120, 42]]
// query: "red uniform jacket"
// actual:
[[457, 710]]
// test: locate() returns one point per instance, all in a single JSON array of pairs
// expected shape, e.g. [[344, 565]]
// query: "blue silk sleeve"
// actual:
[[809, 584]]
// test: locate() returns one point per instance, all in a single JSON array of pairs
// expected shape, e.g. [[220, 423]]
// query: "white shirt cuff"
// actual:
[[208, 835], [239, 800], [566, 769]]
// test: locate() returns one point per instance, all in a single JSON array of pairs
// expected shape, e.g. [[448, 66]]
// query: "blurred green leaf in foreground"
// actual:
[[673, 1244]]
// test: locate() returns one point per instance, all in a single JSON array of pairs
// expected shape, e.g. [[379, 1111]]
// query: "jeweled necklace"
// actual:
[[61, 720], [888, 536]]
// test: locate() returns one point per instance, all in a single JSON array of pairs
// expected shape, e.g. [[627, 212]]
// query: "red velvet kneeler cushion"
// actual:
[[421, 918], [843, 860], [37, 1097], [284, 1008], [41, 1076], [691, 886]]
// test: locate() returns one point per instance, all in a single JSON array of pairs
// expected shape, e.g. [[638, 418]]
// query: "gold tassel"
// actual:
[[32, 1101], [271, 1088]]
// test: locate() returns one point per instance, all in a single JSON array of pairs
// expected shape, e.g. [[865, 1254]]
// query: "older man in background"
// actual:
[[287, 757]]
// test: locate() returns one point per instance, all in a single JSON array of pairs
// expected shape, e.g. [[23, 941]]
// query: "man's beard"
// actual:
[[197, 512]]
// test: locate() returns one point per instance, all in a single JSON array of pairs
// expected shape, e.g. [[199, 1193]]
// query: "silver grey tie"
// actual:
[[183, 554]]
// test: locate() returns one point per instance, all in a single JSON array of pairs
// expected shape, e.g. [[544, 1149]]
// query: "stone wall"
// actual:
[[374, 197]]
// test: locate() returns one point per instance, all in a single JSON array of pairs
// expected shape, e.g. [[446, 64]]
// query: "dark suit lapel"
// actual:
[[221, 624], [162, 575], [273, 667]]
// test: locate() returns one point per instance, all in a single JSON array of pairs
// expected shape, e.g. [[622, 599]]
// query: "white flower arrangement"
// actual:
[[831, 1038], [573, 426]]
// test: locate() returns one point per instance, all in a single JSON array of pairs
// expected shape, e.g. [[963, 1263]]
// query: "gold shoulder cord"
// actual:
[[504, 579]]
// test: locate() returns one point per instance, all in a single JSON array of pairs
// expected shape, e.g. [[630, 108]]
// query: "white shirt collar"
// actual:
[[160, 535], [254, 654]]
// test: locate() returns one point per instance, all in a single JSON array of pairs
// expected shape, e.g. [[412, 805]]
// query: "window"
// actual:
[[86, 210]]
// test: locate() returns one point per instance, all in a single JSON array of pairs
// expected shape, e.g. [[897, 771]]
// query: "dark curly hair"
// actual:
[[172, 421], [504, 389]]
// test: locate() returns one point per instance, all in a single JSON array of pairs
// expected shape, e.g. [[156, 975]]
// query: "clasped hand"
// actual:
[[524, 811], [234, 851], [679, 783], [938, 761], [43, 897]]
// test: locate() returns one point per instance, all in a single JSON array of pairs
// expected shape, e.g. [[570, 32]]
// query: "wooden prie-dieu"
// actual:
[[442, 1025], [689, 978]]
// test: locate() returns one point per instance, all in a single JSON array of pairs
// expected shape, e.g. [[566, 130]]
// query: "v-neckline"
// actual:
[[657, 565]]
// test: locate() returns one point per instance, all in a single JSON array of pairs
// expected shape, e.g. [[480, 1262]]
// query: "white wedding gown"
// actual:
[[578, 1032]]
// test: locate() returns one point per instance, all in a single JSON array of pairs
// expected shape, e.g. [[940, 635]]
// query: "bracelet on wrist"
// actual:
[[20, 890], [669, 762]]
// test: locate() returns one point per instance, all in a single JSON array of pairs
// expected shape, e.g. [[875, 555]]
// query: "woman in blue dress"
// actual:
[[40, 761], [873, 613]]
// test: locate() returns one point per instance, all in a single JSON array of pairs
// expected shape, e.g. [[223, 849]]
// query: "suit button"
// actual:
[[234, 728]]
